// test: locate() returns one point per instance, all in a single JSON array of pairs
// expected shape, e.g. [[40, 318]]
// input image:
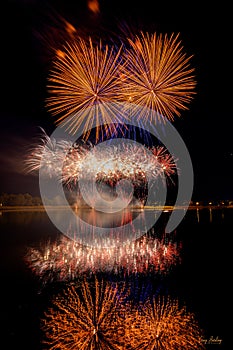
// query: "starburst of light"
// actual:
[[81, 84], [157, 76]]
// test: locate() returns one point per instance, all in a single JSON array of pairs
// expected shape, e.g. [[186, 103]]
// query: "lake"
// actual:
[[196, 269]]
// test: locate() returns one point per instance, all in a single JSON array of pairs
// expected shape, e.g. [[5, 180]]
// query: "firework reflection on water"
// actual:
[[66, 259], [98, 315]]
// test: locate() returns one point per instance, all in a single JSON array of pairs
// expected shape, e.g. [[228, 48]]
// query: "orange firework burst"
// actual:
[[162, 324], [88, 80], [157, 76], [82, 83], [86, 317]]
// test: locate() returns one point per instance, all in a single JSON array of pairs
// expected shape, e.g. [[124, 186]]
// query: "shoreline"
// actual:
[[65, 207]]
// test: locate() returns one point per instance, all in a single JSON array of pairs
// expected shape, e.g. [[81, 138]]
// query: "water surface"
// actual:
[[200, 279]]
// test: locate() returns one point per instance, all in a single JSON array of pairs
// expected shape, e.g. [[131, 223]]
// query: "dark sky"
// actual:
[[206, 33]]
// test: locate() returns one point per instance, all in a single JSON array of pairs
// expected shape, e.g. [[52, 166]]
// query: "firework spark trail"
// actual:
[[54, 34], [66, 259], [162, 324], [82, 83], [157, 76], [85, 317], [93, 6]]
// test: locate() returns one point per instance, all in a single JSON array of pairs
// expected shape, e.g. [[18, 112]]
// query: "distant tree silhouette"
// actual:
[[12, 199]]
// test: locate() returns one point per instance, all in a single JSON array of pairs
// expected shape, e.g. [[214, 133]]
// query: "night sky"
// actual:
[[206, 33]]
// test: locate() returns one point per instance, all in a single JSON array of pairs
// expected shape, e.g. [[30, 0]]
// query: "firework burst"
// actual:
[[121, 161], [157, 76], [166, 161], [86, 317], [82, 83], [110, 163]]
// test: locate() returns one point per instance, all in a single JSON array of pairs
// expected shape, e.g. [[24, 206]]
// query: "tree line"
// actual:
[[12, 199]]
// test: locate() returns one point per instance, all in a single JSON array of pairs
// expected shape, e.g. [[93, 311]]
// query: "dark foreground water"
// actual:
[[202, 278]]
